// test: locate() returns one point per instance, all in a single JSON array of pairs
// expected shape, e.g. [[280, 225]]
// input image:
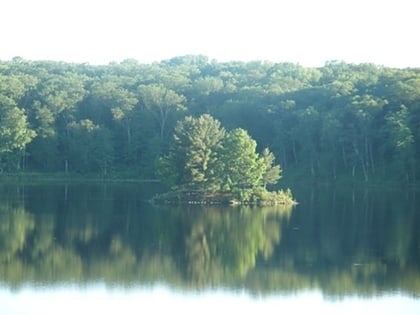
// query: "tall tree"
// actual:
[[90, 147], [113, 104], [55, 106], [242, 166], [272, 173], [162, 102], [194, 153], [401, 141], [15, 133]]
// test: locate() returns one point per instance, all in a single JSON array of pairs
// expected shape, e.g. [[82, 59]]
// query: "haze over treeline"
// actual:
[[339, 120]]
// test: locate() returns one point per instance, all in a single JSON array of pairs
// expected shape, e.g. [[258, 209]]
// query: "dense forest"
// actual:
[[337, 121]]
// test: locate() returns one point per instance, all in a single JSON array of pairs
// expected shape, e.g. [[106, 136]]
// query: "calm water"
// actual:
[[101, 248]]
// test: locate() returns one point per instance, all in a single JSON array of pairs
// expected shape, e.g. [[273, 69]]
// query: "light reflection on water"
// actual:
[[100, 249], [99, 299]]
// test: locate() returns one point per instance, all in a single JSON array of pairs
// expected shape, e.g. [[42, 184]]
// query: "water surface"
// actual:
[[102, 246]]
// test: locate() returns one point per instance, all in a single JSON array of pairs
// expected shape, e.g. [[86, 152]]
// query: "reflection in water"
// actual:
[[339, 243], [97, 299], [225, 243]]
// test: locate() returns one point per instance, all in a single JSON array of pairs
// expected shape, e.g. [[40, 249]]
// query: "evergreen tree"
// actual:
[[194, 154]]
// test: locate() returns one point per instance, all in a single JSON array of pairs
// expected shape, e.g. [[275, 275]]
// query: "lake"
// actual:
[[103, 249]]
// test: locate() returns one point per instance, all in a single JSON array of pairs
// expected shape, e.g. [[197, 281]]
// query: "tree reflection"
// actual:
[[15, 225], [224, 243], [339, 243]]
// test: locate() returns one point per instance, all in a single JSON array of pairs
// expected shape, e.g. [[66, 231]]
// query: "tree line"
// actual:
[[339, 120]]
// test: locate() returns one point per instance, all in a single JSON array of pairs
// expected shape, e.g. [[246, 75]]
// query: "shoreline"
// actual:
[[256, 198], [69, 177]]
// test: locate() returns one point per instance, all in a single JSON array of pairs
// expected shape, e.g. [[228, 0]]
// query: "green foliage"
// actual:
[[337, 121], [401, 141], [203, 157], [193, 159], [272, 173], [161, 101], [242, 166], [90, 147], [15, 133]]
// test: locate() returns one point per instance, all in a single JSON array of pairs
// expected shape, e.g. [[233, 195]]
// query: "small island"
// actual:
[[208, 165]]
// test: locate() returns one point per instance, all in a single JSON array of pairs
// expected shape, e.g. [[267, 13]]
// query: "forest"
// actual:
[[338, 121]]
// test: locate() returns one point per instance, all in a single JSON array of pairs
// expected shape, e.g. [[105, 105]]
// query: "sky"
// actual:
[[307, 32]]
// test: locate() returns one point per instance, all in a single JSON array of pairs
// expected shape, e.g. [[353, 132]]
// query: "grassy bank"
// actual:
[[38, 177], [258, 196]]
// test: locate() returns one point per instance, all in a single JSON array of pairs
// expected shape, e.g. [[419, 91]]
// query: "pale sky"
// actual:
[[308, 32]]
